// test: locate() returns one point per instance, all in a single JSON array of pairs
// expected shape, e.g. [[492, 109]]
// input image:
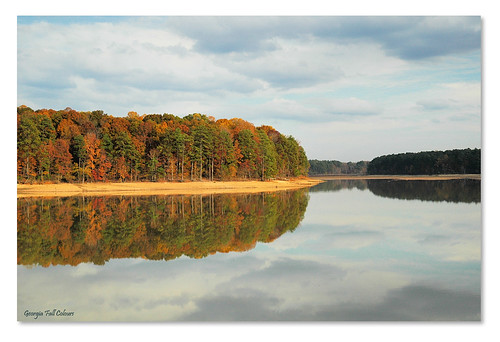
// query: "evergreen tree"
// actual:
[[268, 156]]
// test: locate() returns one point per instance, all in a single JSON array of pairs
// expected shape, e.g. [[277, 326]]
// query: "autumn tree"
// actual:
[[97, 164], [62, 160]]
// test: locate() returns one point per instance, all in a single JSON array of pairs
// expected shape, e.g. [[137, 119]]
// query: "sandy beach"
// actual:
[[399, 177], [160, 188]]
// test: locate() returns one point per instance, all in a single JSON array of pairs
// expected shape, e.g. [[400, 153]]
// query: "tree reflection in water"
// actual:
[[455, 190], [73, 230]]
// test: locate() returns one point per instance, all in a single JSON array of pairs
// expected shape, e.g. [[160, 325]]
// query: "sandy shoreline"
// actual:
[[159, 188], [399, 177]]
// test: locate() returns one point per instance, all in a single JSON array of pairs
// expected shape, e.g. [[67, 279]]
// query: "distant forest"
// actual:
[[72, 146], [335, 167], [464, 161]]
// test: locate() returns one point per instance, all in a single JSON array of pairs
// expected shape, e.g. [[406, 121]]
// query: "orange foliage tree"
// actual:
[[73, 146]]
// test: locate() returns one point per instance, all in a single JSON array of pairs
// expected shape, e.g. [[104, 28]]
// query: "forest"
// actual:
[[71, 146], [335, 167], [465, 161]]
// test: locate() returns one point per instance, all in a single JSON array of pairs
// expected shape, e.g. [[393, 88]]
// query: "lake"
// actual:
[[349, 250]]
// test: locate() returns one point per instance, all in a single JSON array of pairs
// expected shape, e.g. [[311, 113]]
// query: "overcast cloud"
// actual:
[[348, 88]]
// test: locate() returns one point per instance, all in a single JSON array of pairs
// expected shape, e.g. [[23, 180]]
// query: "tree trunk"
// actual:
[[182, 167], [263, 170], [28, 169], [172, 172], [201, 169]]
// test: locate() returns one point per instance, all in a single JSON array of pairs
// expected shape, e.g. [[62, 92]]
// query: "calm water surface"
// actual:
[[343, 250]]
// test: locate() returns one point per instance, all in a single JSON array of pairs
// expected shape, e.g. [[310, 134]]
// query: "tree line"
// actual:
[[464, 161], [335, 167], [72, 230], [458, 161], [72, 146]]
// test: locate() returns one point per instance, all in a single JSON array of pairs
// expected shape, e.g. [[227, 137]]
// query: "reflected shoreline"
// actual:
[[453, 190]]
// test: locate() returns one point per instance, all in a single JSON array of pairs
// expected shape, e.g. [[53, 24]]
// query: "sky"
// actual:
[[347, 88]]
